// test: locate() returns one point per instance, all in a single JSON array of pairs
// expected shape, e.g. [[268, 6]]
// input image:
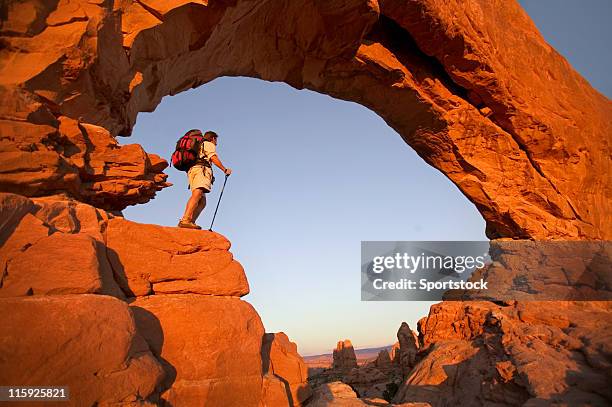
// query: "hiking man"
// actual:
[[201, 179]]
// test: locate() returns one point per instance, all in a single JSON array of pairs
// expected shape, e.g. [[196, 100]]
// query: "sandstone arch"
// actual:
[[489, 104]]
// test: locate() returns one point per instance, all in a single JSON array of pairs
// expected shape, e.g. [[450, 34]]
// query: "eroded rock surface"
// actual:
[[285, 372], [471, 86], [405, 354], [335, 394], [480, 353], [210, 347], [164, 260], [69, 271], [86, 342]]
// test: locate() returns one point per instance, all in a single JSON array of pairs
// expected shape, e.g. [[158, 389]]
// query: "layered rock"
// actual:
[[66, 155], [69, 271], [473, 96], [525, 270], [172, 261], [43, 252], [479, 353]]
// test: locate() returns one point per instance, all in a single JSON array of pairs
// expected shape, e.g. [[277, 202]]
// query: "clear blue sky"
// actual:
[[314, 176]]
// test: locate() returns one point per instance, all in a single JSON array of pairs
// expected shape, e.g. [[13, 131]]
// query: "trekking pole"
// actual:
[[218, 202]]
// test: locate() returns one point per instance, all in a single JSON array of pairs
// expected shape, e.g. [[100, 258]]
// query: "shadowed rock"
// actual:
[[344, 356], [285, 373]]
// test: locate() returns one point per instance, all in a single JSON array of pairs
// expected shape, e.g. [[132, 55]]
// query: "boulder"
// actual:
[[335, 394], [531, 352], [282, 360], [209, 346], [86, 342], [59, 264], [151, 259]]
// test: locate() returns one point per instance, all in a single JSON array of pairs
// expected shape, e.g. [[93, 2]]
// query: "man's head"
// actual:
[[211, 136]]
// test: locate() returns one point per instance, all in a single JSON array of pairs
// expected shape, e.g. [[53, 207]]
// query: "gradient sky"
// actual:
[[314, 176]]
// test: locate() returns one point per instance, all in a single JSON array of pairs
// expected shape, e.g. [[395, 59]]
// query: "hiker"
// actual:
[[200, 176]]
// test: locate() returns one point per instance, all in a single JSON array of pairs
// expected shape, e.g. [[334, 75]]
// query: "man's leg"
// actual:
[[200, 207], [192, 205]]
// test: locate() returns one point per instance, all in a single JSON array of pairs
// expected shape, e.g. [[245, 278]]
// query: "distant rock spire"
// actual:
[[408, 348], [344, 356], [383, 360]]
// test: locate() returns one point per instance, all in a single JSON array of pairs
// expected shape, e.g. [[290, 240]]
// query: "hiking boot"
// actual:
[[188, 225]]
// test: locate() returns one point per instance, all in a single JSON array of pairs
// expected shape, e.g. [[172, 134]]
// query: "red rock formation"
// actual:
[[210, 347], [344, 356], [471, 86], [55, 254], [533, 352], [335, 394], [86, 342], [285, 373], [368, 381], [383, 360], [405, 355], [172, 261], [429, 69], [42, 256]]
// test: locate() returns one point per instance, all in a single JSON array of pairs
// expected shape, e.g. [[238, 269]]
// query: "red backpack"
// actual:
[[187, 150]]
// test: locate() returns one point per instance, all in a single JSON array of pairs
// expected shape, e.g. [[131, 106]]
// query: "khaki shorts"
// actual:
[[200, 176]]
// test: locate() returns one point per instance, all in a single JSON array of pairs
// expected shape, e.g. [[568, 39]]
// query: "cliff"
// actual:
[[124, 313]]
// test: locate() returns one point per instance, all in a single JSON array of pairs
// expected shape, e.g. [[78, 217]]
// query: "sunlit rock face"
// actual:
[[470, 85], [480, 353], [123, 312]]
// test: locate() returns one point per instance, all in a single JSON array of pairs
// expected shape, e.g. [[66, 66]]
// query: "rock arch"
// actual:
[[489, 104]]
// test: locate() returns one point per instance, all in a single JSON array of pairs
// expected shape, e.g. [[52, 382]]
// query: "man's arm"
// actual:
[[215, 160]]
